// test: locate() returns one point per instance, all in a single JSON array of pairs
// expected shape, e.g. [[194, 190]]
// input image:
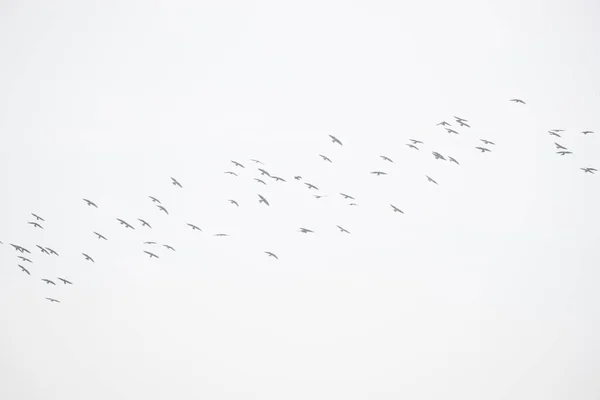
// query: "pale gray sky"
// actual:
[[485, 288]]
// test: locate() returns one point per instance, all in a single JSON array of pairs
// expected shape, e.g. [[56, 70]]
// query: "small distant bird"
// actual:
[[42, 249], [487, 142], [443, 123], [125, 223], [304, 230], [231, 173], [149, 242], [386, 158], [264, 172], [100, 236], [335, 140], [88, 258], [49, 282], [517, 101], [451, 131], [25, 259], [586, 132], [151, 254], [483, 149], [564, 152], [256, 161], [234, 202], [38, 218], [415, 141], [318, 196], [297, 177], [430, 180], [438, 156], [154, 199], [396, 209], [278, 178], [35, 224], [325, 158], [379, 173], [175, 182], [556, 130], [260, 180], [558, 146], [51, 251], [271, 255], [263, 200], [66, 282], [144, 223], [342, 229], [90, 203], [589, 170], [168, 247], [352, 204], [161, 208], [220, 234], [237, 164], [194, 227], [460, 119], [347, 196], [554, 134], [52, 300], [453, 160], [20, 248], [311, 186], [464, 124], [24, 269], [412, 146]]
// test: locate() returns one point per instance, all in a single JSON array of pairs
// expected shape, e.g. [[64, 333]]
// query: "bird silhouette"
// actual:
[[453, 160], [42, 249], [151, 254], [415, 141], [386, 158], [342, 229], [88, 258], [175, 182], [256, 161], [149, 242], [586, 132], [51, 251], [271, 255], [325, 158], [220, 234], [260, 180], [35, 224], [264, 172], [379, 173], [168, 247], [49, 282], [483, 149], [487, 142], [443, 123], [461, 123], [125, 223], [304, 230], [438, 156], [346, 197], [144, 223], [66, 282], [554, 134], [24, 259], [396, 209], [237, 164], [100, 236], [517, 101], [231, 173], [589, 170], [38, 218], [52, 300], [412, 146], [451, 131], [311, 186], [90, 203], [335, 140], [161, 208], [24, 269], [194, 227], [263, 200], [297, 177], [278, 179], [154, 199], [234, 202], [564, 152], [430, 180]]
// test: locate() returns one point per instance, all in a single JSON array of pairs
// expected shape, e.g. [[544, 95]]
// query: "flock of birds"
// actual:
[[25, 254]]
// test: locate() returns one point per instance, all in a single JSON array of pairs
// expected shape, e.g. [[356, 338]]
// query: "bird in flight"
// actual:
[[342, 229], [24, 269], [483, 149], [231, 173], [451, 131], [66, 282], [168, 247], [352, 204], [552, 133], [347, 196], [517, 101], [386, 158], [100, 236], [49, 282], [415, 141], [589, 170], [42, 249], [304, 230], [90, 203], [430, 180], [335, 140], [396, 209], [438, 156], [558, 146], [234, 202], [20, 248], [460, 119], [154, 199], [149, 242], [325, 158], [38, 218], [487, 142], [260, 180], [278, 178], [297, 177], [144, 223], [263, 200], [379, 173], [453, 160], [256, 161], [25, 259], [52, 300], [151, 254], [194, 227], [51, 251], [35, 224], [412, 146], [586, 132], [175, 182], [220, 234], [563, 152], [271, 255], [443, 123], [237, 164], [88, 258], [125, 223], [264, 172], [161, 208], [464, 124], [318, 196], [311, 186]]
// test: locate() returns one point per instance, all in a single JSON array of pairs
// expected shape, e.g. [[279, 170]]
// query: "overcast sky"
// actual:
[[486, 286]]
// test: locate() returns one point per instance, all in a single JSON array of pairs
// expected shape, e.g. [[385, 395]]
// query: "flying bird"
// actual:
[[42, 249], [460, 119], [325, 158], [412, 146], [517, 101], [487, 142], [49, 282], [347, 196], [149, 242], [352, 204], [451, 131], [589, 170], [256, 161], [264, 172], [453, 160], [90, 203], [558, 146], [586, 132], [278, 178], [234, 202], [335, 140], [304, 230], [415, 141], [100, 236], [271, 255], [553, 134], [66, 282], [443, 123], [175, 182], [430, 180], [52, 300], [311, 186], [396, 209], [342, 229], [379, 173], [25, 259], [168, 247], [51, 251], [88, 258], [260, 180], [237, 164], [297, 177], [220, 234], [263, 200], [24, 269], [38, 218], [438, 156], [161, 208], [154, 199], [563, 152], [125, 223], [464, 124], [35, 224], [386, 158], [194, 227], [231, 173], [151, 254], [144, 223], [483, 149]]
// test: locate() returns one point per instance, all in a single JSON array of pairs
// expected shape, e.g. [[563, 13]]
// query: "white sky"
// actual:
[[485, 288]]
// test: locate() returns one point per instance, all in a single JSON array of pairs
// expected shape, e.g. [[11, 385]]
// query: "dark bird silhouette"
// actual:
[[20, 248], [304, 230], [554, 134], [144, 223], [412, 146], [386, 158], [379, 173], [325, 158], [438, 156], [335, 140], [342, 229], [38, 218], [564, 152], [464, 124], [352, 204], [451, 131], [234, 202], [263, 200], [443, 123], [149, 242], [25, 259], [175, 182], [517, 101], [66, 282], [589, 170], [559, 146], [318, 196], [278, 178], [51, 251], [396, 209], [311, 186], [125, 223], [237, 164], [460, 119], [90, 203], [194, 227], [161, 208], [556, 130], [415, 141], [154, 199], [35, 224], [168, 247], [151, 254], [297, 177], [88, 258], [430, 180], [483, 149], [347, 196], [24, 269], [220, 234], [42, 249], [231, 173], [487, 142], [586, 132], [453, 160], [100, 236], [271, 255], [264, 172], [256, 161], [52, 300], [260, 180], [49, 282]]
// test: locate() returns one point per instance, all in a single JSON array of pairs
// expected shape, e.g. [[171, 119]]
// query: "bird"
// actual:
[[487, 142], [379, 173], [51, 251], [263, 200], [589, 170], [517, 101], [318, 196], [412, 146], [176, 182], [35, 224], [586, 132], [271, 255], [396, 209], [451, 131], [194, 227], [234, 202], [149, 242], [20, 248], [443, 123], [42, 249], [415, 141], [558, 146], [38, 218], [49, 282], [335, 140], [325, 158], [154, 199], [264, 172], [453, 160], [256, 161], [297, 177], [24, 259], [483, 149], [438, 156], [144, 223], [220, 234], [342, 229], [352, 204], [24, 269], [556, 130], [260, 180], [304, 230], [52, 300], [88, 258], [161, 208], [168, 247], [237, 164], [347, 196], [125, 223], [464, 124], [278, 178], [100, 236], [563, 152], [386, 158], [231, 173], [151, 254], [460, 119], [311, 186], [430, 180], [90, 203], [554, 134], [66, 282]]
